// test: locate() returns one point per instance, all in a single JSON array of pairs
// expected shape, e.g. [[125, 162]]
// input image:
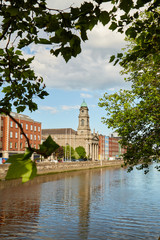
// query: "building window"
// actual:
[[16, 125], [10, 144], [31, 127], [26, 126], [16, 135], [21, 136], [11, 134], [38, 129], [31, 136], [21, 145], [11, 124], [15, 145], [34, 137], [82, 122], [38, 137], [34, 128]]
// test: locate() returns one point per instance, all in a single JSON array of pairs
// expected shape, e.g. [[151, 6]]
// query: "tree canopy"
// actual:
[[135, 113], [26, 22], [81, 152]]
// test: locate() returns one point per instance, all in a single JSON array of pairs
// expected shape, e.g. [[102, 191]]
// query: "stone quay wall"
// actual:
[[51, 167]]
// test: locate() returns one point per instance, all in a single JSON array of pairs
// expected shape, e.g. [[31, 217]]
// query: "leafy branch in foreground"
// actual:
[[21, 164]]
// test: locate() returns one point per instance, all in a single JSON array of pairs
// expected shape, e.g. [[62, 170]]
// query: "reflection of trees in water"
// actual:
[[19, 207]]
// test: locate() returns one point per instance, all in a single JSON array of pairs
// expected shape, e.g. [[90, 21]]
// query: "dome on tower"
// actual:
[[84, 104]]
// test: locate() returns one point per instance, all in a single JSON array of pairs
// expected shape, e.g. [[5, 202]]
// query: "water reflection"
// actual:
[[19, 205], [90, 204]]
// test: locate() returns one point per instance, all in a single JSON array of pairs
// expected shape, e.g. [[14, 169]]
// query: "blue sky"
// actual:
[[87, 77]]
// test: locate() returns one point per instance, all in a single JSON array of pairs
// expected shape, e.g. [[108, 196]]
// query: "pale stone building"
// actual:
[[82, 137]]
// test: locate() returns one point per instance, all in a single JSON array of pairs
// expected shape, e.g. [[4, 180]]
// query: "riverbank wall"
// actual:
[[52, 167]]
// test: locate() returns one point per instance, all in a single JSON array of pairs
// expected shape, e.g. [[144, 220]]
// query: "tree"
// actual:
[[81, 152], [68, 152], [24, 22], [135, 113], [59, 152]]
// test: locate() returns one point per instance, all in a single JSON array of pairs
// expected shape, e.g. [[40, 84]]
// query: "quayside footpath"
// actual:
[[51, 167]]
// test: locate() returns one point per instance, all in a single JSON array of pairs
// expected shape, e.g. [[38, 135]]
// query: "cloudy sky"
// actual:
[[87, 77]]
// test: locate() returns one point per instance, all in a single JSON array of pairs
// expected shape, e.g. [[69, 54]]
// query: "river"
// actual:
[[106, 203]]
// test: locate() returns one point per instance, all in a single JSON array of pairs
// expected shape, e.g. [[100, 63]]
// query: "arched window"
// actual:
[[82, 122]]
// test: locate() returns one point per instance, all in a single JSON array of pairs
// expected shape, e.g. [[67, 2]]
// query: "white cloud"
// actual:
[[66, 108], [111, 89], [52, 110], [91, 69], [85, 95]]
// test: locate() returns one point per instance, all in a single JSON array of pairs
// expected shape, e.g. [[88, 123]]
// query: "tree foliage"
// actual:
[[59, 153], [135, 113], [68, 152], [81, 152], [27, 22]]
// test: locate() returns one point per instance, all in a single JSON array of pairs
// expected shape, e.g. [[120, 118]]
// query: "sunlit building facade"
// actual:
[[12, 141]]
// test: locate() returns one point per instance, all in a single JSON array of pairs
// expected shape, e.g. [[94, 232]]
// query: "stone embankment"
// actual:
[[51, 167]]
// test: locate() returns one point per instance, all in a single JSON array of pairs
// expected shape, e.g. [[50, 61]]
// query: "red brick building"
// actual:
[[11, 139], [109, 147], [101, 147]]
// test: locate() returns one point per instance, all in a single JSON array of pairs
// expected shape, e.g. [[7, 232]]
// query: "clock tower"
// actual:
[[83, 126]]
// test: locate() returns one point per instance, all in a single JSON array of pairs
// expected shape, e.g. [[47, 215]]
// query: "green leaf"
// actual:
[[131, 32], [48, 147], [44, 41], [18, 52], [31, 171], [13, 11], [126, 5], [20, 168], [28, 153], [104, 17], [112, 58], [16, 157], [113, 26], [1, 52], [119, 55], [86, 7], [84, 34]]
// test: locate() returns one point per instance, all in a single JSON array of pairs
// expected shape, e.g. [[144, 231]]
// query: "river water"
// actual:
[[96, 204]]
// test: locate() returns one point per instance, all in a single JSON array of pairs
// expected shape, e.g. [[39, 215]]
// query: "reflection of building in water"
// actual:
[[84, 204], [18, 206]]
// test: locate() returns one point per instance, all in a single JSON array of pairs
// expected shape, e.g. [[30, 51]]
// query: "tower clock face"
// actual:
[[82, 111]]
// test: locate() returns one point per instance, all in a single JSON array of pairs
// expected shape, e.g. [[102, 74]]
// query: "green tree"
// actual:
[[81, 152], [135, 113], [24, 22], [68, 152]]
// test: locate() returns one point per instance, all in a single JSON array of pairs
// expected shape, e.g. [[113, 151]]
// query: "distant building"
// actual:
[[11, 139], [82, 137], [101, 147], [109, 147], [106, 148]]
